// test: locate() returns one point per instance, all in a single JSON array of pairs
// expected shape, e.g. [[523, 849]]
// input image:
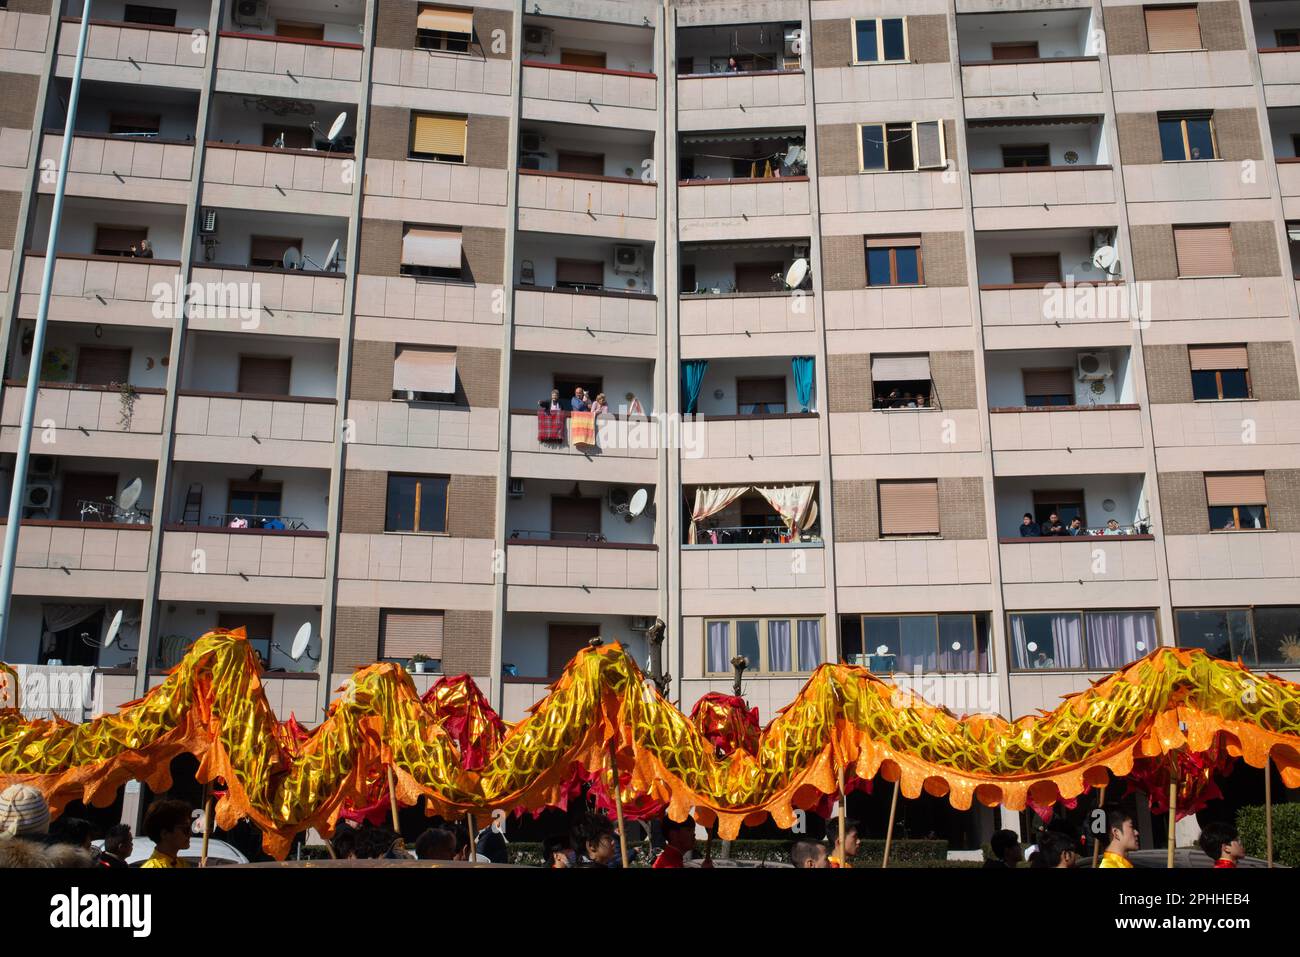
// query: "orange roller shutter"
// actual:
[[1236, 488], [1217, 357], [442, 135], [1172, 28], [407, 634], [1204, 250], [909, 507]]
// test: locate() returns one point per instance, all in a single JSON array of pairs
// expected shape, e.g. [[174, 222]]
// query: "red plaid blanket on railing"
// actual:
[[550, 425]]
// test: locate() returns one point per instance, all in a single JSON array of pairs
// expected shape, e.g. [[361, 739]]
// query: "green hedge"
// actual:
[[1286, 833], [905, 852]]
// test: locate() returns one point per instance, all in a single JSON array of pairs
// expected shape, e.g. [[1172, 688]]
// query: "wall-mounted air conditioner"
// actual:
[[38, 495], [1093, 365], [207, 220], [250, 13], [516, 488], [537, 39], [42, 467], [629, 260]]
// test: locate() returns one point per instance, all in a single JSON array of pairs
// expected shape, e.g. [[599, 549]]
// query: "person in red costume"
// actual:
[[1222, 844], [680, 841]]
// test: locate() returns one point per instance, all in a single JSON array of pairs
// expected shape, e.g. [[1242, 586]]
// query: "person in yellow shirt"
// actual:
[[167, 824], [1123, 839], [843, 856]]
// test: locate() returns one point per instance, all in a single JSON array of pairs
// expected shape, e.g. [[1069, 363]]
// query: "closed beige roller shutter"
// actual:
[[424, 370], [909, 508], [1217, 357], [405, 634], [1172, 28], [446, 20], [425, 246], [893, 242], [440, 135], [1236, 488], [1204, 250], [1049, 381]]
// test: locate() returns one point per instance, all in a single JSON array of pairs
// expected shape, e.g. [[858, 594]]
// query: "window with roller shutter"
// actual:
[[118, 240], [1048, 387], [1237, 500], [405, 634], [1172, 28], [444, 28], [1204, 251], [909, 507], [1219, 372], [100, 366], [432, 252], [267, 252], [264, 375], [1036, 268], [439, 136], [258, 628]]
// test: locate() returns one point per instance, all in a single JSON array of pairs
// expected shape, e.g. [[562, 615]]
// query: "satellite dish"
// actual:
[[300, 641], [332, 259], [638, 503], [130, 495], [812, 516], [1105, 257], [113, 628], [797, 274], [336, 127], [292, 258]]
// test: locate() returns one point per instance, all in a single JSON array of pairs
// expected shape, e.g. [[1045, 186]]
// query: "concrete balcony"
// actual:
[[278, 180], [784, 447], [396, 435], [397, 569], [81, 559], [386, 304], [450, 191], [1052, 305], [22, 41], [725, 101], [599, 97], [587, 578], [135, 53], [960, 565], [112, 690], [285, 66], [547, 320], [520, 694], [574, 204], [301, 302], [111, 167], [90, 419], [626, 453], [1234, 568], [730, 324], [1280, 70], [468, 76], [1112, 433], [850, 310], [105, 290], [1233, 297], [1043, 197], [905, 431], [1288, 176], [257, 565], [1180, 71], [1221, 425], [764, 579], [743, 208], [1190, 180], [1082, 572], [843, 197], [268, 430], [882, 81], [1053, 87]]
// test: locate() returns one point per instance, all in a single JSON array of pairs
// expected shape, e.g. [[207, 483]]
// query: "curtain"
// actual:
[[1066, 641], [778, 645], [59, 617], [802, 366], [1113, 638], [810, 645], [692, 380], [958, 630], [1065, 650], [710, 501], [719, 646], [791, 503]]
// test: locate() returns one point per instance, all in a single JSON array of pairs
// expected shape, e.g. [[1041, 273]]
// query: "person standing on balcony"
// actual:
[[600, 405], [1053, 526], [1029, 528], [1076, 527], [556, 404], [1112, 528], [579, 401]]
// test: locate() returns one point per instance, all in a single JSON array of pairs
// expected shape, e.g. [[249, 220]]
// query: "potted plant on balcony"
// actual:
[[418, 662], [126, 411]]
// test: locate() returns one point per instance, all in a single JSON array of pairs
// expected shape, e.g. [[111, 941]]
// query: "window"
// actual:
[[264, 375], [288, 137], [908, 643], [299, 31], [772, 645], [118, 240], [581, 274], [1259, 637], [759, 277], [1172, 28], [760, 396], [1187, 136], [424, 374], [134, 124], [574, 518], [100, 366], [591, 59], [255, 502], [1035, 268], [1237, 500], [1219, 372], [405, 634], [894, 261], [268, 252], [909, 507], [880, 40], [152, 16], [1066, 504], [258, 628], [1287, 38], [84, 487], [894, 147], [1204, 250], [1048, 387], [438, 136], [1095, 640], [416, 503], [688, 277], [563, 642], [444, 28], [1030, 154], [432, 252], [586, 164], [901, 382], [1020, 50]]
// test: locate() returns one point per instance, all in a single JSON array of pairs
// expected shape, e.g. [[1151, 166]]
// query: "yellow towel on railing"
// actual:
[[582, 428]]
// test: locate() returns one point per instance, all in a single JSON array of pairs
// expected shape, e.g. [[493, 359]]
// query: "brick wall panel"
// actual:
[[1254, 249], [356, 637], [487, 141], [1169, 374], [1221, 27], [857, 517], [1237, 133], [380, 253], [1183, 506], [484, 250], [466, 642], [486, 24], [961, 507], [388, 133], [372, 371], [844, 262], [927, 39], [1283, 489], [471, 506], [1126, 30], [1139, 138], [479, 372], [18, 104], [395, 24], [1272, 371], [365, 500], [953, 375], [943, 257], [33, 6], [832, 42], [837, 149], [848, 380], [9, 204], [1154, 256]]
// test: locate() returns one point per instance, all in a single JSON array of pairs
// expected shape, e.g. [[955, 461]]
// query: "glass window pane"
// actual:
[[778, 645], [894, 43], [1252, 516], [719, 650], [878, 267], [1200, 139], [919, 642], [747, 643], [881, 640], [1223, 633], [1234, 384], [958, 647], [873, 147], [433, 505], [1116, 638], [1205, 384], [400, 516], [1277, 637], [1221, 516], [898, 143], [810, 645], [866, 41], [1046, 640], [1171, 140], [908, 271]]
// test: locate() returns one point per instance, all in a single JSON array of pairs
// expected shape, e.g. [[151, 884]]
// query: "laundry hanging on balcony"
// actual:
[[794, 503], [582, 428], [711, 501], [550, 425]]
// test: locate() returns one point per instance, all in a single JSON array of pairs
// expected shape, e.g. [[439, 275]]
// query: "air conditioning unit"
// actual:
[[537, 39], [1093, 365], [640, 623], [250, 13], [617, 499], [42, 467], [530, 142], [207, 220], [629, 260], [516, 488], [38, 495]]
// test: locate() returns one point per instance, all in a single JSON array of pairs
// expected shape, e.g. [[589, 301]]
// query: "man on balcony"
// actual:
[[1029, 528]]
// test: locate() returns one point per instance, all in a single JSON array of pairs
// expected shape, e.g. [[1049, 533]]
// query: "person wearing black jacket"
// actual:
[[117, 847], [1029, 528]]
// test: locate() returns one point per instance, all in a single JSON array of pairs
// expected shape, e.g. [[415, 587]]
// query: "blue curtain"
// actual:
[[692, 379], [803, 380]]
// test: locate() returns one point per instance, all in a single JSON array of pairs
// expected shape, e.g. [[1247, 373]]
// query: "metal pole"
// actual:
[[38, 343]]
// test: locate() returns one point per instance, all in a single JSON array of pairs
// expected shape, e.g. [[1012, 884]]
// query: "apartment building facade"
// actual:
[[864, 283]]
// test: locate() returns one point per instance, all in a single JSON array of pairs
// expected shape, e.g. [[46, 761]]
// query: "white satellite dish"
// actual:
[[797, 274], [332, 259], [292, 258], [336, 127], [300, 641], [1105, 257], [638, 503], [113, 628], [812, 516], [130, 495]]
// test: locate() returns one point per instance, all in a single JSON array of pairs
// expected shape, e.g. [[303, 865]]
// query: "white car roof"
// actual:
[[142, 848]]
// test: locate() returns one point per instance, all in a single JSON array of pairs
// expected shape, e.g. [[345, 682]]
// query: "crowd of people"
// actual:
[[1055, 528]]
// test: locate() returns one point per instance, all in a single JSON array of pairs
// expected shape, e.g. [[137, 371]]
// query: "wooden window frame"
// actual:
[[760, 667], [1218, 385], [419, 480], [916, 153], [880, 40], [893, 268], [1181, 119]]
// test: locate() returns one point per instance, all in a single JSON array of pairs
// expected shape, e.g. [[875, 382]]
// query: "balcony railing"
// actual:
[[89, 546], [259, 54], [561, 576], [1036, 79], [1042, 185], [607, 205], [208, 422], [172, 51], [118, 167], [744, 313], [746, 99], [323, 177], [1051, 304], [1066, 427], [604, 310], [1085, 558], [589, 87], [204, 564], [93, 408], [702, 200], [102, 290]]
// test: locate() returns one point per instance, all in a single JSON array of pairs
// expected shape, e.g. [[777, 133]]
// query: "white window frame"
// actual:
[[880, 41], [760, 668], [916, 157]]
